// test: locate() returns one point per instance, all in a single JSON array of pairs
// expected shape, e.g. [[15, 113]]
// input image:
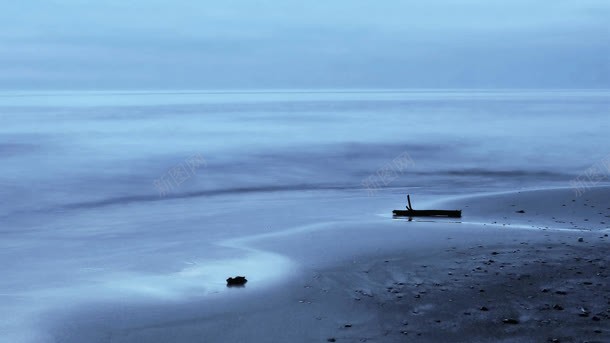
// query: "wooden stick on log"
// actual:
[[410, 212]]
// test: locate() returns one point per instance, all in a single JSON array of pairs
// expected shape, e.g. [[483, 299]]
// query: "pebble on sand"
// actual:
[[237, 281]]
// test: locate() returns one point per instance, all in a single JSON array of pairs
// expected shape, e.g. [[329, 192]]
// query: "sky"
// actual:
[[289, 44]]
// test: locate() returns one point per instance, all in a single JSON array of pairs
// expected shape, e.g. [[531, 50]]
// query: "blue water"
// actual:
[[68, 149], [82, 213]]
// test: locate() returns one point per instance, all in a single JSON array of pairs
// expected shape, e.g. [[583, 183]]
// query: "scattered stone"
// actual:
[[236, 281], [510, 321], [545, 290], [520, 211], [558, 307], [347, 325], [365, 293], [583, 312], [580, 239], [483, 308]]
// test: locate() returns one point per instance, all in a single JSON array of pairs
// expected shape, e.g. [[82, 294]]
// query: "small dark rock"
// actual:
[[483, 308], [331, 340], [520, 211], [347, 325], [558, 307], [545, 290], [595, 319], [510, 321], [561, 292], [583, 312], [236, 281], [580, 239]]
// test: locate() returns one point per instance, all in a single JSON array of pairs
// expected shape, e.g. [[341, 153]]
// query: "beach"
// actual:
[[308, 172], [99, 247], [392, 280]]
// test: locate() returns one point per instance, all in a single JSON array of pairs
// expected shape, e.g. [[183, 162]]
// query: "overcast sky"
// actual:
[[239, 44]]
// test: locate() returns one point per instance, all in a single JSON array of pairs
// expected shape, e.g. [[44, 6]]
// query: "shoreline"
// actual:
[[387, 281]]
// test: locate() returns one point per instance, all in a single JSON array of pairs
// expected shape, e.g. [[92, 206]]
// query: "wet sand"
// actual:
[[498, 274]]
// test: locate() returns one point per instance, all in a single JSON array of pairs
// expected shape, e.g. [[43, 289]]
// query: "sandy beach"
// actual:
[[495, 275]]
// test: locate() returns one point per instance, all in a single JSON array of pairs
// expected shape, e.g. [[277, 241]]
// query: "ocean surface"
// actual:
[[148, 196]]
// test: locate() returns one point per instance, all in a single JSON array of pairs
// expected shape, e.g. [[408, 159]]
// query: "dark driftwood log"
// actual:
[[410, 212], [427, 213]]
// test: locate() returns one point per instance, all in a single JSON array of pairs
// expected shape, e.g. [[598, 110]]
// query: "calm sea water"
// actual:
[[124, 194], [65, 150]]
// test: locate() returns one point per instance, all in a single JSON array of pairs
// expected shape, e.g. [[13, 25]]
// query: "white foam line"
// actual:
[[489, 194], [528, 227], [504, 226]]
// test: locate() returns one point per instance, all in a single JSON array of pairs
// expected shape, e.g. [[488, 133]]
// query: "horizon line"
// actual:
[[186, 91]]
